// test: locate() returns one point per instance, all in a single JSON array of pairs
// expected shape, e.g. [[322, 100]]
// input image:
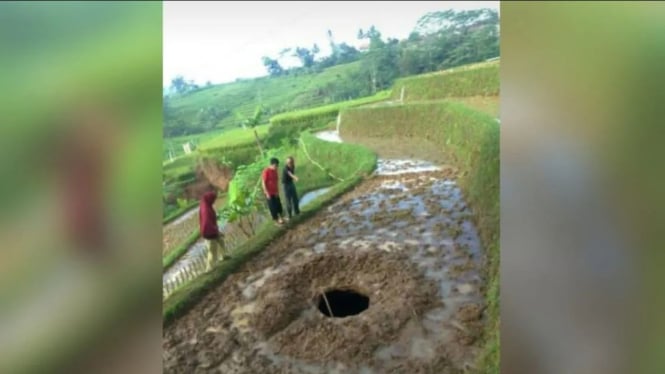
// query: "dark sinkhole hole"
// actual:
[[343, 303]]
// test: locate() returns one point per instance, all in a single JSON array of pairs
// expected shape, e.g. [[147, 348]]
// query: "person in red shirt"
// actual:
[[270, 178], [209, 229]]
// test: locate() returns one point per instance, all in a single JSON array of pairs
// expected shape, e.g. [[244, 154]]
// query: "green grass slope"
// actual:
[[235, 137], [469, 80], [278, 94]]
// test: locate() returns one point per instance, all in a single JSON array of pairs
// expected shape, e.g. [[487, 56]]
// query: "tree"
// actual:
[[446, 39], [380, 63], [341, 53], [179, 84], [414, 36], [191, 86], [347, 53], [334, 55], [305, 56], [372, 34], [273, 66], [456, 22], [387, 57], [412, 60]]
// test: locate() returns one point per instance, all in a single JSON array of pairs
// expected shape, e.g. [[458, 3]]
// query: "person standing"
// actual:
[[288, 179], [209, 229], [270, 183]]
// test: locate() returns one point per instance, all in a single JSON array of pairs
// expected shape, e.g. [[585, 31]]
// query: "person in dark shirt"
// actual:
[[270, 179], [288, 179]]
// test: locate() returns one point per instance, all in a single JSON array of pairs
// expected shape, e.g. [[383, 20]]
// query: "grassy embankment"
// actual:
[[241, 149], [476, 86]]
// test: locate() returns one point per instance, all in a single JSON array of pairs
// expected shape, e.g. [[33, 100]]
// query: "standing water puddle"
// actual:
[[386, 167], [310, 196]]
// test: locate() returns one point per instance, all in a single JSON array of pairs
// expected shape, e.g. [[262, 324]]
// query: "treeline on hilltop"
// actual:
[[439, 41]]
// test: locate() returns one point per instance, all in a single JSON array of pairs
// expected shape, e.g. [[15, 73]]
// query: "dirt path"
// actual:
[[403, 242]]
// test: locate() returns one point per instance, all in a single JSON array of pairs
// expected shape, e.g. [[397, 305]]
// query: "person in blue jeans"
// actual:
[[288, 179]]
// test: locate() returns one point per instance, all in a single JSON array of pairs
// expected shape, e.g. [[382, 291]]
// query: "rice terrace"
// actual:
[[392, 265]]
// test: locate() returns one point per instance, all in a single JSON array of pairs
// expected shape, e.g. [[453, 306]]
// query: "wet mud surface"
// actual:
[[403, 240]]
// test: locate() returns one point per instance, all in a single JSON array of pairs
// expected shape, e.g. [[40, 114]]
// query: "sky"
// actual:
[[222, 41]]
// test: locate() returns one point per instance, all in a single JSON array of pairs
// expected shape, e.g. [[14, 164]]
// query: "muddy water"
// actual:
[[310, 196], [423, 217], [410, 209], [384, 166], [330, 136]]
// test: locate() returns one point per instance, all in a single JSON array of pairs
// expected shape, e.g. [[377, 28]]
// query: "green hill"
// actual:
[[213, 107], [441, 40]]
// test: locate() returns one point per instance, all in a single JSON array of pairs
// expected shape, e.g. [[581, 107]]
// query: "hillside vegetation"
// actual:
[[440, 40], [218, 107], [233, 138]]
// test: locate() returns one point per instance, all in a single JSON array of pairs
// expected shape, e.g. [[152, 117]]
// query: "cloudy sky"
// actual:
[[222, 41]]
